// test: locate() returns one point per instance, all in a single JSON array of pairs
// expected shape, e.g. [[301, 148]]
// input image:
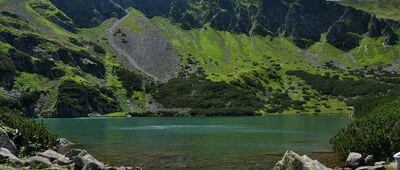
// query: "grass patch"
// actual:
[[117, 114]]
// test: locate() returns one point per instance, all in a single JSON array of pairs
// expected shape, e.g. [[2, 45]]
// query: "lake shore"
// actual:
[[199, 142]]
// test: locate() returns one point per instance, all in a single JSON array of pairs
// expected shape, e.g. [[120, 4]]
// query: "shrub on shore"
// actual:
[[376, 133], [32, 136]]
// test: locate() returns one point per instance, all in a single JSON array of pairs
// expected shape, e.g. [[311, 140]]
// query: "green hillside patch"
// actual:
[[46, 9], [79, 99], [389, 9], [373, 53], [207, 98], [224, 56]]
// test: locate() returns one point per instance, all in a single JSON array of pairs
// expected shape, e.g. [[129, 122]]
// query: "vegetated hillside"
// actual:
[[89, 13], [382, 8], [251, 65], [301, 21]]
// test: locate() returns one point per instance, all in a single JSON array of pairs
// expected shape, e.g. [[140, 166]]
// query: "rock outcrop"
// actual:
[[293, 161], [83, 60], [6, 142], [85, 161], [75, 159]]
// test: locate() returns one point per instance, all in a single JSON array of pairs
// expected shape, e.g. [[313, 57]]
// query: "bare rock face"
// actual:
[[5, 142], [293, 161], [149, 52]]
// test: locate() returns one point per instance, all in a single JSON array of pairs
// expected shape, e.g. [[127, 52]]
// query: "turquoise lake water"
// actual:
[[200, 142]]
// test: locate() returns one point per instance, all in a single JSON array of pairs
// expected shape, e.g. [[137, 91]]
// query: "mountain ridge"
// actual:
[[52, 60]]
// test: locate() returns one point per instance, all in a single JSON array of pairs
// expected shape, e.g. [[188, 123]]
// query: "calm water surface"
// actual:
[[199, 143]]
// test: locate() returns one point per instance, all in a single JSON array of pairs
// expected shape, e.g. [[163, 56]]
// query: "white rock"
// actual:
[[293, 161], [5, 154], [354, 160]]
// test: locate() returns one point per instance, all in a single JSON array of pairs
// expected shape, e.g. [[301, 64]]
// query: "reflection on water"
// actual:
[[199, 143]]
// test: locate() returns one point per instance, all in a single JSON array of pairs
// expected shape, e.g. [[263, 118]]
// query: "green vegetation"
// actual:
[[77, 100], [46, 9], [131, 81], [389, 9], [255, 64], [376, 133], [34, 136], [207, 98], [117, 114], [347, 87]]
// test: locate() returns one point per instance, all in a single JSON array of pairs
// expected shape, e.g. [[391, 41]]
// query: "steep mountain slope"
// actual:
[[78, 58], [302, 21], [389, 9]]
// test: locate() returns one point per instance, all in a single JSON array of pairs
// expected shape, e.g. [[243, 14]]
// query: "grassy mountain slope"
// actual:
[[261, 70], [389, 9], [60, 48]]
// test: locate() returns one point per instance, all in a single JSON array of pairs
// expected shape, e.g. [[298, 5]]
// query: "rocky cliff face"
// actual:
[[301, 20], [89, 13]]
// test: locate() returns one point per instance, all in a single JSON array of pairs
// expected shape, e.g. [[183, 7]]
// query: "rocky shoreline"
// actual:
[[74, 159], [354, 161]]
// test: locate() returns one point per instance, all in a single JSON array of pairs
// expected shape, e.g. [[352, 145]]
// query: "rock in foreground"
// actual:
[[8, 157], [293, 161], [354, 160], [5, 142]]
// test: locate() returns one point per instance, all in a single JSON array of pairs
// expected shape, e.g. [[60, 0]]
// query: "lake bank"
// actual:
[[199, 142]]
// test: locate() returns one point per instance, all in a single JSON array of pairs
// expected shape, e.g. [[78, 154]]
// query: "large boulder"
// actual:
[[85, 161], [7, 156], [5, 142], [38, 161], [51, 155], [354, 160], [293, 161]]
